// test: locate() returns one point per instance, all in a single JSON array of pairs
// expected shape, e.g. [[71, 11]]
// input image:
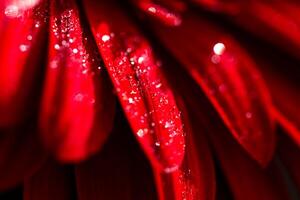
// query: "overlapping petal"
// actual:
[[242, 174], [146, 99], [275, 21], [229, 78], [22, 38], [78, 105]]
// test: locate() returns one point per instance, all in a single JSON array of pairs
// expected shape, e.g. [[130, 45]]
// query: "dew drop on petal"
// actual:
[[75, 51], [12, 11], [56, 46], [219, 48], [248, 115], [23, 47], [140, 133], [171, 169], [29, 37], [105, 38], [78, 97]]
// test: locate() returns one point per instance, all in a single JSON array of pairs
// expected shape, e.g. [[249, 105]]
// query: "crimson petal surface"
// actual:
[[78, 105], [229, 79]]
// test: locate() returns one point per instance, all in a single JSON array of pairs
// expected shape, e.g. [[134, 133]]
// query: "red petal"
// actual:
[[22, 38], [275, 21], [159, 12], [289, 154], [198, 171], [286, 99], [20, 155], [50, 182], [119, 171], [78, 105], [243, 175], [196, 177], [229, 79], [228, 6], [147, 100]]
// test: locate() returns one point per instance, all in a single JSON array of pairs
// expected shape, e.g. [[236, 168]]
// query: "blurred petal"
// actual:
[[51, 181], [78, 104], [22, 39], [160, 12], [119, 171], [20, 155], [289, 154], [277, 21], [281, 74], [229, 79], [243, 175], [286, 97]]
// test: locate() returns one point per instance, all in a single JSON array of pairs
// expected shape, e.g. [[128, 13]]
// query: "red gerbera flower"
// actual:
[[208, 89]]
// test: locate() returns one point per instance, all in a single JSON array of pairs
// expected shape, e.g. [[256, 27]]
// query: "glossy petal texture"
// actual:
[[20, 155], [22, 36], [78, 105], [229, 79], [160, 12], [51, 181], [119, 171], [197, 173], [145, 97]]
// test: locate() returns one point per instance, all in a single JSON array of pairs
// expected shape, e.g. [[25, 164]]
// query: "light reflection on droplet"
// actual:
[[248, 115], [219, 48], [140, 133], [78, 97], [141, 59], [23, 47], [215, 59], [152, 9], [105, 38], [29, 37], [170, 169], [56, 46], [12, 11], [75, 51]]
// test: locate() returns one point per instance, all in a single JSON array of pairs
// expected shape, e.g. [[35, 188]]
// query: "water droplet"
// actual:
[[75, 51], [130, 100], [141, 59], [105, 38], [78, 97], [170, 169], [152, 9], [37, 25], [140, 133], [215, 59], [219, 48], [12, 11], [248, 115], [56, 46], [29, 37], [23, 47]]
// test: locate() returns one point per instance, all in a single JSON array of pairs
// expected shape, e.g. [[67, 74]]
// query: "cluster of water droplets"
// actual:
[[30, 15], [149, 105]]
